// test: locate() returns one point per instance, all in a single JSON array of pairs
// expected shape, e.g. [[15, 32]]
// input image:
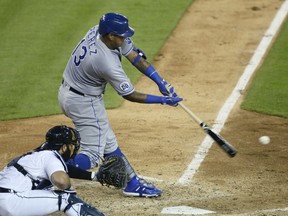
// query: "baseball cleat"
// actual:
[[139, 187]]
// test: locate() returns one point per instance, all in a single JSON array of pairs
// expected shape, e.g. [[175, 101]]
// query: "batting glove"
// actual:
[[172, 101], [166, 88]]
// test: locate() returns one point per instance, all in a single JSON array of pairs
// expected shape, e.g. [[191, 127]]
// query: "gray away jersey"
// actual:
[[92, 65]]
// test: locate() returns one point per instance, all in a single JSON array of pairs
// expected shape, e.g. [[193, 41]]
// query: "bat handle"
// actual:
[[193, 116]]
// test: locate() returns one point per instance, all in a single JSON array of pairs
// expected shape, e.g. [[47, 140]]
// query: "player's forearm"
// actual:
[[77, 173], [137, 97], [152, 99], [146, 68], [138, 61]]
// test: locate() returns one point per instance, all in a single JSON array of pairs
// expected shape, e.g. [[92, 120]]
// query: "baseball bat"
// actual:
[[226, 146]]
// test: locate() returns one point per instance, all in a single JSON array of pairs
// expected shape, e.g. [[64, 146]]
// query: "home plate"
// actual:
[[185, 210]]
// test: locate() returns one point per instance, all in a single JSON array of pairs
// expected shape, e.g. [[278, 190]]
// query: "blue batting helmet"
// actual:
[[116, 24]]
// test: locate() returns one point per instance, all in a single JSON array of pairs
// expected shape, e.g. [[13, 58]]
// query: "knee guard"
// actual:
[[79, 206]]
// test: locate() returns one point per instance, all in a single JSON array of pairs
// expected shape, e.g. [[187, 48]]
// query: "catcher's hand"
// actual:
[[112, 172]]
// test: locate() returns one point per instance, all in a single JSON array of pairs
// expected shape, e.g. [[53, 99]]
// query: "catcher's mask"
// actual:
[[58, 136]]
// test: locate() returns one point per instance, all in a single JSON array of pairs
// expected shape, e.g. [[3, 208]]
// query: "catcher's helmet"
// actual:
[[60, 135], [116, 24]]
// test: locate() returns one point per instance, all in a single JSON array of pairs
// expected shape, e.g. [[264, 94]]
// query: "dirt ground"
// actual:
[[203, 59]]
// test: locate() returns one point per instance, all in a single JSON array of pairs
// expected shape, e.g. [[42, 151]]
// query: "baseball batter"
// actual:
[[26, 183], [95, 62]]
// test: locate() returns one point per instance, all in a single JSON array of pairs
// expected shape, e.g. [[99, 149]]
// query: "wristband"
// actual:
[[152, 74], [152, 99]]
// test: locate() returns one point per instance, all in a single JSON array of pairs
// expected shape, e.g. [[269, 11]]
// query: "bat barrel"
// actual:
[[227, 147]]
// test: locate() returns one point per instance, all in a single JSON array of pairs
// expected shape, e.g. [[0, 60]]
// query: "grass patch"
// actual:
[[38, 36], [268, 93]]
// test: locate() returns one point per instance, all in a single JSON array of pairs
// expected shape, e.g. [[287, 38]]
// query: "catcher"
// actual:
[[25, 181]]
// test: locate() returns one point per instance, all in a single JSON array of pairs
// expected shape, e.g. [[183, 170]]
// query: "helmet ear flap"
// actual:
[[75, 138]]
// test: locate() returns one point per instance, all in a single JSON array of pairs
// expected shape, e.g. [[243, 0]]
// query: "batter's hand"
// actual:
[[166, 89], [172, 101]]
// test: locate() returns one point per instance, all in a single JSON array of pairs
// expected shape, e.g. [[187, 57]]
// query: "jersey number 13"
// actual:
[[79, 55]]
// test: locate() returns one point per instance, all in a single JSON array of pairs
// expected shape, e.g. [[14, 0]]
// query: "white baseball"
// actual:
[[264, 140]]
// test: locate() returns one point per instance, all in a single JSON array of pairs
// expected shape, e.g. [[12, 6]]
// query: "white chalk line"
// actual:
[[236, 93]]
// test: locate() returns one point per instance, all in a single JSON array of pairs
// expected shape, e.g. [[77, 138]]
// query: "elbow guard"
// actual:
[[140, 54]]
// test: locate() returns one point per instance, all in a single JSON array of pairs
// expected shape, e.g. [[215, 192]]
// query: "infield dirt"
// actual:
[[204, 58]]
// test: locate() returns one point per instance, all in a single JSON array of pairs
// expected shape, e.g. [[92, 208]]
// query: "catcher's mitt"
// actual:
[[112, 172]]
